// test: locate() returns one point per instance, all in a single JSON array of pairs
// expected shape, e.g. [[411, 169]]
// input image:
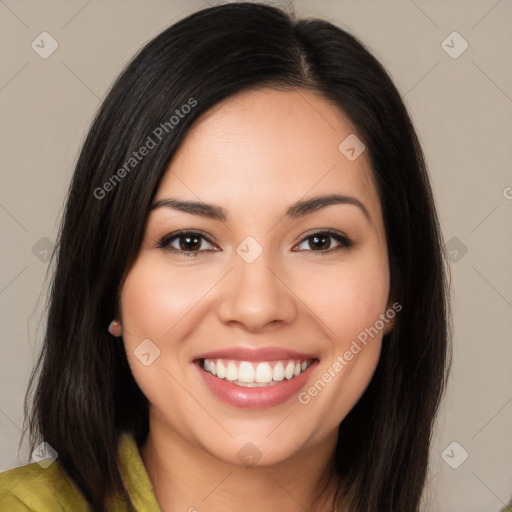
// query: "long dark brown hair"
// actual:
[[85, 395]]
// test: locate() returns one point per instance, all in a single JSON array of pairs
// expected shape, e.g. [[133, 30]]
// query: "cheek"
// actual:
[[349, 297], [154, 299], [350, 304]]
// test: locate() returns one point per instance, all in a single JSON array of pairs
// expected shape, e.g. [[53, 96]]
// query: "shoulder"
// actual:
[[38, 489]]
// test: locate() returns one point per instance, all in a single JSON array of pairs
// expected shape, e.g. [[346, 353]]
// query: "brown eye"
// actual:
[[322, 241], [188, 242]]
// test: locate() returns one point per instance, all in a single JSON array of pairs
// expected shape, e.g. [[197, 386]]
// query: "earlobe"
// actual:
[[390, 315], [389, 327], [115, 328]]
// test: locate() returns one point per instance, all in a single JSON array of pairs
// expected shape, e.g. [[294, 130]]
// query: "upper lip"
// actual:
[[255, 354]]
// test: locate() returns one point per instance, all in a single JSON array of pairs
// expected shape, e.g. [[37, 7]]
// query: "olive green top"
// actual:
[[33, 488], [507, 508]]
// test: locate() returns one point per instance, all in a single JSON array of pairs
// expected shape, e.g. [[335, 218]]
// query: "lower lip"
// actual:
[[256, 398]]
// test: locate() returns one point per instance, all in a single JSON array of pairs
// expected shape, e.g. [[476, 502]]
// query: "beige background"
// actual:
[[462, 108]]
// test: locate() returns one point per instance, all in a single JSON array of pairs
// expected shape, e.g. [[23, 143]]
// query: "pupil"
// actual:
[[196, 244], [325, 238]]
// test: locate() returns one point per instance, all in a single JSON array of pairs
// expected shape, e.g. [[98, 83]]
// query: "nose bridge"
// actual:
[[255, 294]]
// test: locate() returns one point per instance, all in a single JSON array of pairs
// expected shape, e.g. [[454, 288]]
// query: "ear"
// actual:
[[390, 314], [115, 328]]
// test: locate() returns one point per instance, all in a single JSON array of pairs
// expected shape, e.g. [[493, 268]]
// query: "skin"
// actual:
[[255, 154]]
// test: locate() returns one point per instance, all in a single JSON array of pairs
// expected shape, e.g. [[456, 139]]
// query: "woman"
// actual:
[[249, 305]]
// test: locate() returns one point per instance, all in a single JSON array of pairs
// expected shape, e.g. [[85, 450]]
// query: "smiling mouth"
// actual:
[[253, 374]]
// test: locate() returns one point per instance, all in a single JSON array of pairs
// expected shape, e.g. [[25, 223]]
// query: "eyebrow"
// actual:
[[295, 211]]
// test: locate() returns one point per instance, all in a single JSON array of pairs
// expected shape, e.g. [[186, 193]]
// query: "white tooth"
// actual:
[[206, 365], [221, 369], [278, 372], [245, 372], [304, 365], [297, 370], [213, 370], [288, 373], [263, 373], [245, 384], [232, 371]]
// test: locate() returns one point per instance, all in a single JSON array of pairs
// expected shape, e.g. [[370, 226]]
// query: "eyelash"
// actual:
[[164, 243]]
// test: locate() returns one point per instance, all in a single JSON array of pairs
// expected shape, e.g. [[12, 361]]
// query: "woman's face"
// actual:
[[264, 292]]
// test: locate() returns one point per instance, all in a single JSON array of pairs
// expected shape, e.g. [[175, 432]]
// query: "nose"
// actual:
[[256, 295]]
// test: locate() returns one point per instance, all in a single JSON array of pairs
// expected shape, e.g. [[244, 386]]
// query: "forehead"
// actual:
[[266, 148]]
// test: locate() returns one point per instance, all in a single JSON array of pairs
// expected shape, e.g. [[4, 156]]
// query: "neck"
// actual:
[[186, 477]]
